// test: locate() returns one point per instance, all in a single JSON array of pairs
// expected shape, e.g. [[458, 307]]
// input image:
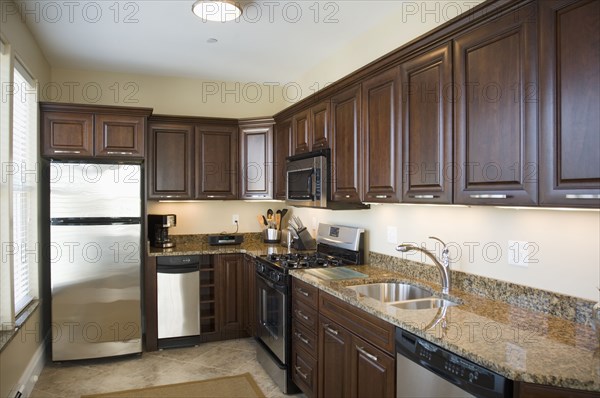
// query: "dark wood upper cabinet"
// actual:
[[319, 122], [381, 143], [427, 107], [75, 131], [282, 149], [170, 167], [217, 162], [120, 135], [256, 161], [570, 103], [345, 129], [496, 111], [67, 134], [301, 132]]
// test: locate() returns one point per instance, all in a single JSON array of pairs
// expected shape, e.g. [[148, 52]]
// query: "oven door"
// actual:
[[272, 316]]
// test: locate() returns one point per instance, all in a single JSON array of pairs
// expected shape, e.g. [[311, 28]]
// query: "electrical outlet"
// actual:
[[518, 253], [392, 235], [235, 219]]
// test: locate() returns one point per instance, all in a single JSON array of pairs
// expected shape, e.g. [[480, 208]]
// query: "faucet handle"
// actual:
[[445, 251]]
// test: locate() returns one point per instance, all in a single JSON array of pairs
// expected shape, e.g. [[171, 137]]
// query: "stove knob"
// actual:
[[277, 277], [261, 268]]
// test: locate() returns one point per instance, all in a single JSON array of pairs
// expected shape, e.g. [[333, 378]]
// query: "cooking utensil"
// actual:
[[269, 215], [259, 218], [264, 219], [278, 220]]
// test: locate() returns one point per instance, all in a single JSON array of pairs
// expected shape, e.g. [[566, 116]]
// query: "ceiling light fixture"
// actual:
[[217, 10]]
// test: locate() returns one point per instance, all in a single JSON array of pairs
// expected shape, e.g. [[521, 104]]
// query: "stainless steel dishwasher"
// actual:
[[178, 300], [424, 369]]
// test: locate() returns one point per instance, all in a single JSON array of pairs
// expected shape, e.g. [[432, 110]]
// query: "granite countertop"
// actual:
[[198, 245], [515, 342]]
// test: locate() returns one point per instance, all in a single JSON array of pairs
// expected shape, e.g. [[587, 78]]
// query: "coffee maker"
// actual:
[[158, 230]]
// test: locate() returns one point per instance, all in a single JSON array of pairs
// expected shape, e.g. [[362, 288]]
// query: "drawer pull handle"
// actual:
[[299, 371], [62, 151], [489, 196], [382, 196], [582, 196], [302, 292], [301, 315], [120, 153], [365, 353], [347, 196], [302, 338], [330, 330], [423, 196], [215, 196]]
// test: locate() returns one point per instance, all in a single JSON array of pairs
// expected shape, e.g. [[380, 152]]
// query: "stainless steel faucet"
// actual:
[[443, 267]]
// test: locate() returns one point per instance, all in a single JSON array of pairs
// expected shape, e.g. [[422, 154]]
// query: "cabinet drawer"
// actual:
[[374, 330], [305, 292], [304, 371], [305, 315], [302, 337]]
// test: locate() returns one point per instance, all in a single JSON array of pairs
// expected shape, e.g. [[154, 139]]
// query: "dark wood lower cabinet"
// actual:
[[249, 304], [529, 390], [334, 353], [304, 371], [372, 371]]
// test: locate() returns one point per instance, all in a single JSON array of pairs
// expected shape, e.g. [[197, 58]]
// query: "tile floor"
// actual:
[[175, 365]]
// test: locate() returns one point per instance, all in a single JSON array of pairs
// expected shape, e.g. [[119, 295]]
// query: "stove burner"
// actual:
[[304, 260]]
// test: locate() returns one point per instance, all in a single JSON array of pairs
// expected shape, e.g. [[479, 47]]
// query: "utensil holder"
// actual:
[[305, 241], [271, 235]]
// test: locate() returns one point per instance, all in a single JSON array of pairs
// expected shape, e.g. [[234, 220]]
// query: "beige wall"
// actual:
[[19, 352], [564, 243], [214, 216], [16, 356], [167, 95]]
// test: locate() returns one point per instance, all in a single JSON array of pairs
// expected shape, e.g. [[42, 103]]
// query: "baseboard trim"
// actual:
[[32, 371]]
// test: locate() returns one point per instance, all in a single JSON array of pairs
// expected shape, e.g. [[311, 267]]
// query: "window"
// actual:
[[24, 173], [19, 182]]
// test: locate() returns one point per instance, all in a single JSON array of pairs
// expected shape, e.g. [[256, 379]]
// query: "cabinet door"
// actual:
[[217, 160], [120, 136], [257, 162], [381, 149], [68, 134], [372, 372], [319, 123], [427, 127], [171, 161], [496, 117], [334, 353], [283, 149], [345, 116], [231, 293], [569, 74], [301, 132]]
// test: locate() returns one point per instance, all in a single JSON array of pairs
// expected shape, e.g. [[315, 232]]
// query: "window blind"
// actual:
[[24, 189]]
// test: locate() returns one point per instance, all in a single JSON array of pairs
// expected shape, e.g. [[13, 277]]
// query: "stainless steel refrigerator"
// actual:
[[95, 260]]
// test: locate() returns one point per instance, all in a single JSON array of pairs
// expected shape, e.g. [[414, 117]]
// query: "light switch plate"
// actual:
[[392, 235]]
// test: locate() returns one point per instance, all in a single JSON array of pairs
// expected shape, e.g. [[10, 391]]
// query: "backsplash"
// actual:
[[567, 307]]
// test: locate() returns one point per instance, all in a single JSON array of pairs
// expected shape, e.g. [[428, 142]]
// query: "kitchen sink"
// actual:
[[423, 304], [391, 292]]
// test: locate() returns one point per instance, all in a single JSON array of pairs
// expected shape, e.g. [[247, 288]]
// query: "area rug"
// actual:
[[240, 386]]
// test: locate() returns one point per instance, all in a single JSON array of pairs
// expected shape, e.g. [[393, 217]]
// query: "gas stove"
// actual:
[[336, 246], [302, 260]]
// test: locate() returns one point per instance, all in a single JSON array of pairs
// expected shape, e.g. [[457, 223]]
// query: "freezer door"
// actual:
[[95, 190], [95, 282]]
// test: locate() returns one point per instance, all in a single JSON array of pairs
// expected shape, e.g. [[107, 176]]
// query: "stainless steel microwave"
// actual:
[[307, 179]]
